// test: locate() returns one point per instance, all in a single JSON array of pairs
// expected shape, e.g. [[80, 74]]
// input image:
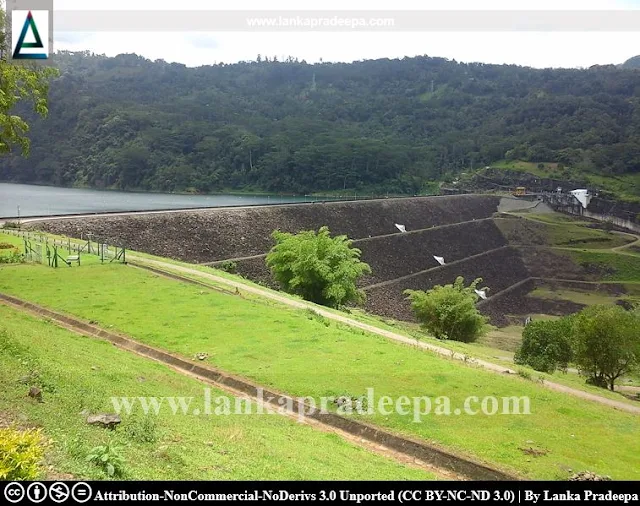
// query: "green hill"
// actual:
[[381, 125], [632, 63]]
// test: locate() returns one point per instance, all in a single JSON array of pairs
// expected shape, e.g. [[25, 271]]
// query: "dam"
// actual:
[[468, 231]]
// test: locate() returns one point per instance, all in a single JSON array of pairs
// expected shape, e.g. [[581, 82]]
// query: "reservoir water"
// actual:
[[50, 201]]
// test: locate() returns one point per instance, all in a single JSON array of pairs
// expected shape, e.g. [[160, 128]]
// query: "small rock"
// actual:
[[202, 356], [25, 380], [94, 368], [104, 420], [35, 393], [588, 476], [85, 412], [141, 379], [343, 401]]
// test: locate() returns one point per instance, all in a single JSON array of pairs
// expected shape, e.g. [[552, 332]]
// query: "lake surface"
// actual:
[[51, 201]]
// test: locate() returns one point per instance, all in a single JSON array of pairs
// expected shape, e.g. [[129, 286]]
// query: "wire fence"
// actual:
[[41, 248]]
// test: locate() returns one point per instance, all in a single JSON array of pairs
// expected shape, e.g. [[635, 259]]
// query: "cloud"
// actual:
[[536, 49], [72, 38], [204, 41]]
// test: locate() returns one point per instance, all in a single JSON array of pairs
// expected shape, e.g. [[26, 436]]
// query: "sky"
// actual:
[[194, 48]]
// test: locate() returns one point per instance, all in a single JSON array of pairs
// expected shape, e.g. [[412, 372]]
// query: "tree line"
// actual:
[[379, 125]]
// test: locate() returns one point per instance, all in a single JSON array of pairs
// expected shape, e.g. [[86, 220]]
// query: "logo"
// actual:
[[14, 492], [59, 492], [36, 492], [30, 35], [81, 492]]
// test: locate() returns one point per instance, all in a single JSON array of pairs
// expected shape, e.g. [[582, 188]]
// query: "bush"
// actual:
[[142, 430], [546, 346], [20, 454], [109, 459], [228, 266], [606, 343], [11, 224], [449, 311], [318, 267], [15, 257]]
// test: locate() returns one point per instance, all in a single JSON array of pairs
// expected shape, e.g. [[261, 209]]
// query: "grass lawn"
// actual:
[[78, 373], [300, 354]]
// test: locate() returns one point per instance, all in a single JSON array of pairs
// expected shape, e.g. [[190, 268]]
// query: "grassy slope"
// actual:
[[206, 447], [552, 231], [298, 354], [484, 349], [612, 266]]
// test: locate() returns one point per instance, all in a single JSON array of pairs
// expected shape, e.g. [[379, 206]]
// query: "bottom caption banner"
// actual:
[[319, 492]]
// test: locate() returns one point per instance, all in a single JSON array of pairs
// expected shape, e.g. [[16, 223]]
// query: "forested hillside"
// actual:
[[385, 125]]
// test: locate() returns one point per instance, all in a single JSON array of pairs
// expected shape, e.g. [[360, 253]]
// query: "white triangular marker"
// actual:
[[440, 260], [482, 294], [402, 228]]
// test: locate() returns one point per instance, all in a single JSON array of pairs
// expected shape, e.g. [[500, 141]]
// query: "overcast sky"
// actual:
[[537, 49]]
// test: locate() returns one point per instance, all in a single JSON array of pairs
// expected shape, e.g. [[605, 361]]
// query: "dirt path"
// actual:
[[624, 246], [378, 331]]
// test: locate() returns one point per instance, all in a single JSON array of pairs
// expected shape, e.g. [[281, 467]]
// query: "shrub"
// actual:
[[12, 258], [142, 430], [318, 267], [11, 224], [6, 245], [109, 459], [228, 266], [20, 454], [546, 346], [449, 311]]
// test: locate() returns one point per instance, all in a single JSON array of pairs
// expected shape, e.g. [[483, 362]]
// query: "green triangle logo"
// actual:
[[17, 55]]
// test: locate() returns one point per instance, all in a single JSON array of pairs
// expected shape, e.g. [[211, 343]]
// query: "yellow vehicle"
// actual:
[[520, 191]]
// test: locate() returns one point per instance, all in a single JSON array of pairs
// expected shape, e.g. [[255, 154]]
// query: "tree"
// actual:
[[606, 343], [546, 345], [318, 267], [19, 82], [449, 311]]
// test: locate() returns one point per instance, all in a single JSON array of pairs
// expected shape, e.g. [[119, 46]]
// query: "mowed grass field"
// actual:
[[77, 373], [304, 355]]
